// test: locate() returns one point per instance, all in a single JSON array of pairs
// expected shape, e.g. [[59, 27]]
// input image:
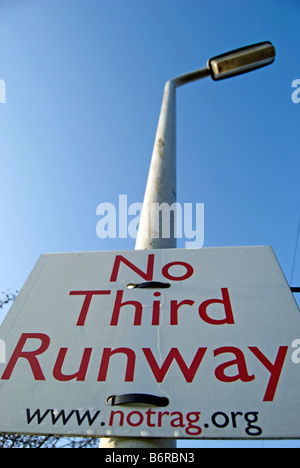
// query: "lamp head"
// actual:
[[241, 60]]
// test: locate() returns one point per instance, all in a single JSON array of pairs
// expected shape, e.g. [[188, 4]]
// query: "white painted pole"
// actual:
[[160, 188], [161, 183], [136, 443]]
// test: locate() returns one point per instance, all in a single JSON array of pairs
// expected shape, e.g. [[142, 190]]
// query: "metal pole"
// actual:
[[160, 189], [161, 183]]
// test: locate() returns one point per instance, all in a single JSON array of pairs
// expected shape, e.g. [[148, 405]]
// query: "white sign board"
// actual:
[[214, 346]]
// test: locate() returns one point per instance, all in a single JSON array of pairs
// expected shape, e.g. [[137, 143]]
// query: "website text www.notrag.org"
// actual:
[[188, 423]]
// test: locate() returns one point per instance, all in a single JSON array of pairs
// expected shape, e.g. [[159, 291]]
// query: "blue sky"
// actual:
[[84, 81]]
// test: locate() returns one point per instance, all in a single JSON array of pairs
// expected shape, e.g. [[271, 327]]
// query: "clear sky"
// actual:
[[84, 81]]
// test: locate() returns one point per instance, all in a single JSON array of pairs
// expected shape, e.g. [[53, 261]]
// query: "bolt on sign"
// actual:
[[163, 343]]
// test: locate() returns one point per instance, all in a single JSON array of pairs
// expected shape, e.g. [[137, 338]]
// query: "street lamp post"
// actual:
[[161, 183]]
